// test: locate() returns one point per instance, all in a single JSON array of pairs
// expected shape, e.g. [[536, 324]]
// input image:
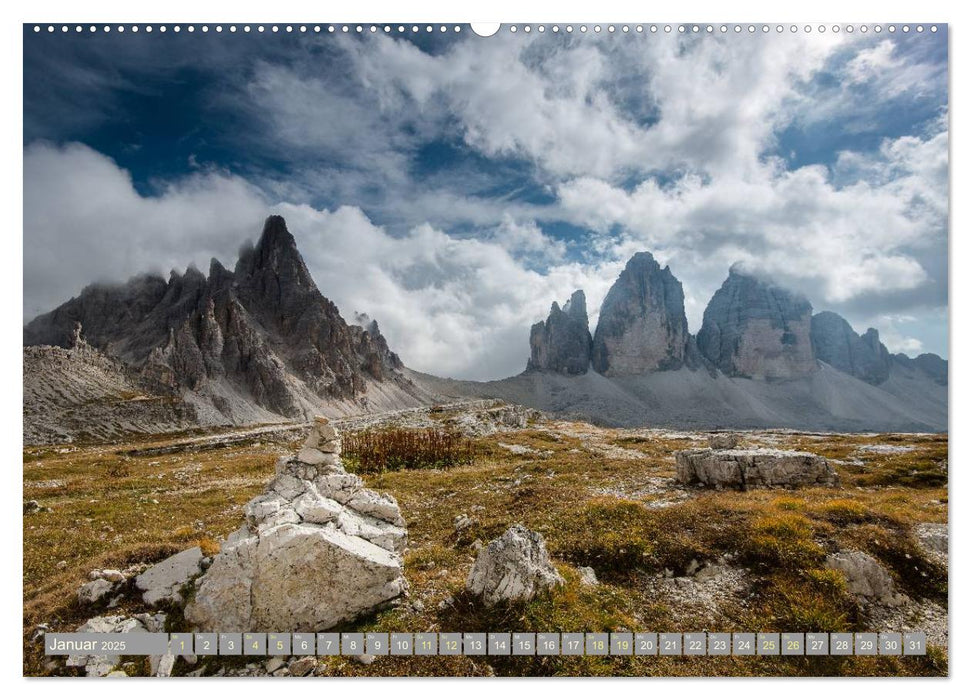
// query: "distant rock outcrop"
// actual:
[[642, 325], [756, 468], [837, 344], [754, 328], [248, 344], [562, 343], [79, 393], [928, 364]]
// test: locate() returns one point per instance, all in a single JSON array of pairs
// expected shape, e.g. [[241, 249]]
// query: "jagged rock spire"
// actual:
[[642, 325], [562, 343]]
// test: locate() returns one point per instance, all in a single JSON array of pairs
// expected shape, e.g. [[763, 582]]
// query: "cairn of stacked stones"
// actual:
[[317, 549]]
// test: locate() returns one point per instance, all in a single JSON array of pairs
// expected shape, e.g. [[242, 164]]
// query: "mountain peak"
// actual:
[[274, 265], [276, 235], [838, 345], [642, 325], [642, 259], [576, 307], [562, 343], [754, 328]]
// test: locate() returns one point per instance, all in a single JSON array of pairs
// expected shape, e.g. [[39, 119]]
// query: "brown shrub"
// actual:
[[394, 449]]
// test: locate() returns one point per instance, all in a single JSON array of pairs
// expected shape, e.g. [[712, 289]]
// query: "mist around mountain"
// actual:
[[260, 343]]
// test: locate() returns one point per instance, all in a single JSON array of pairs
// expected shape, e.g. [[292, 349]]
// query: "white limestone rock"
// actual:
[[513, 567], [340, 486], [288, 486], [933, 541], [382, 506], [314, 508], [379, 532], [588, 577], [163, 582], [295, 577], [94, 591], [161, 666], [112, 575], [314, 456], [323, 437]]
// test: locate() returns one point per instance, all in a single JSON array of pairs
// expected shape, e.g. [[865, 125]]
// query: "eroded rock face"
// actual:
[[865, 577], [562, 343], [758, 468], [513, 567], [261, 334], [317, 549], [838, 345], [642, 325], [753, 328]]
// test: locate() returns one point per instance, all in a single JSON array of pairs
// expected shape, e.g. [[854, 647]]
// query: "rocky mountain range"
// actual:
[[261, 344], [761, 359], [255, 344]]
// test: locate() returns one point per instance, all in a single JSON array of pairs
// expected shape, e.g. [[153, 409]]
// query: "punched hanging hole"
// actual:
[[485, 29]]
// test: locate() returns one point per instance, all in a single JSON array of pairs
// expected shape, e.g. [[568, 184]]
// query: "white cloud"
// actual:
[[526, 238], [896, 340], [565, 121], [84, 221], [451, 306], [716, 101], [891, 74], [832, 242], [871, 61]]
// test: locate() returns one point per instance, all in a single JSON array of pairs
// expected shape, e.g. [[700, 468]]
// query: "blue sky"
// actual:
[[452, 186]]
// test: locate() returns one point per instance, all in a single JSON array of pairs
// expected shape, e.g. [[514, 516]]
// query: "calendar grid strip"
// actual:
[[493, 643]]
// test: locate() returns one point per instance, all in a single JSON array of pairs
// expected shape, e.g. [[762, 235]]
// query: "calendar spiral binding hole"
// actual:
[[512, 28]]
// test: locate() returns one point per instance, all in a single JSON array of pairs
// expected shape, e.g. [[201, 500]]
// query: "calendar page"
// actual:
[[548, 349]]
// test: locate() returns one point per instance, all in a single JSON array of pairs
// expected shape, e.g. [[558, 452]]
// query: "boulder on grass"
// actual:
[[757, 468], [94, 591], [513, 567], [865, 577]]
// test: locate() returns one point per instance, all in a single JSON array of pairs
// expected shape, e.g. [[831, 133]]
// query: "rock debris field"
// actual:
[[555, 526]]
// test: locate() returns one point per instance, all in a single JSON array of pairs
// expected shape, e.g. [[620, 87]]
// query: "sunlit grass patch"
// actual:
[[626, 518]]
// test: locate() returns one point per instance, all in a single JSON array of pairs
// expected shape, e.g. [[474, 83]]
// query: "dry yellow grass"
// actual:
[[589, 491]]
